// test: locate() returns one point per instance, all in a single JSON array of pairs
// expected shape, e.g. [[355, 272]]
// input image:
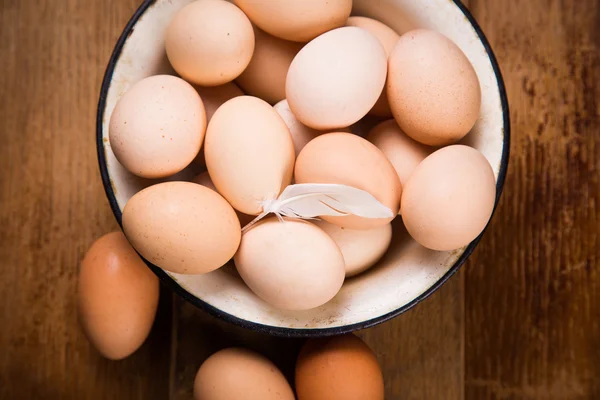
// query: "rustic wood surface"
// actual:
[[520, 321]]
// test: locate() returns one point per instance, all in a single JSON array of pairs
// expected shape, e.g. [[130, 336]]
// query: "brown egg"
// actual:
[[449, 198], [433, 89], [388, 38], [292, 265], [336, 79], [301, 134], [297, 20], [209, 42], [117, 296], [182, 227], [338, 368], [361, 248], [249, 153], [240, 374], [350, 160], [403, 152], [157, 126], [213, 97], [204, 180], [265, 75]]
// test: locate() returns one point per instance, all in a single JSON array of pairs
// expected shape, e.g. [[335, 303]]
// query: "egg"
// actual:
[[292, 265], [209, 42], [249, 153], [403, 152], [157, 126], [433, 90], [297, 20], [338, 368], [265, 75], [240, 374], [347, 159], [449, 198], [337, 78], [361, 248], [213, 97], [117, 297], [204, 180], [301, 134], [182, 227], [388, 38]]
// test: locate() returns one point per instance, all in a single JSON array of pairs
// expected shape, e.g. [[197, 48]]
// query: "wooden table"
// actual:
[[520, 321]]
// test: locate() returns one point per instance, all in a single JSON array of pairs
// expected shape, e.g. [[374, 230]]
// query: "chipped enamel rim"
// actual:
[[462, 25]]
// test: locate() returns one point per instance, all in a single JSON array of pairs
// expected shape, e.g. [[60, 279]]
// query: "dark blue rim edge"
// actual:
[[272, 330]]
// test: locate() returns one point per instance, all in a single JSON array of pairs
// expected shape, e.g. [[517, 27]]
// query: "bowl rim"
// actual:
[[281, 331]]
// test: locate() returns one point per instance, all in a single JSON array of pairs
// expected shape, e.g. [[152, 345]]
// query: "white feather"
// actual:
[[310, 200]]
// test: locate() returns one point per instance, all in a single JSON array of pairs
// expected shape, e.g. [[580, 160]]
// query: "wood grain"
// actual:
[[520, 321], [421, 352], [532, 287], [52, 205]]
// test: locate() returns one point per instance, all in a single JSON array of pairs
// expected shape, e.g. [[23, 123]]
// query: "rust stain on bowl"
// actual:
[[113, 186]]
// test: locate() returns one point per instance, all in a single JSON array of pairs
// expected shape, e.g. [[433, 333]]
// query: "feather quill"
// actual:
[[311, 200]]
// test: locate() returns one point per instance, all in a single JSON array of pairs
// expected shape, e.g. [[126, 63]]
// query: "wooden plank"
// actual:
[[533, 289], [421, 351], [52, 205]]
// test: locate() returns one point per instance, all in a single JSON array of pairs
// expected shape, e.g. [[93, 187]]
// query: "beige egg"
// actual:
[[157, 126], [449, 198], [204, 180], [182, 227], [350, 160], [361, 248], [240, 374], [403, 152], [213, 97], [388, 39], [292, 265], [209, 42], [297, 20], [336, 79], [249, 153], [433, 89], [301, 134], [265, 75], [117, 297]]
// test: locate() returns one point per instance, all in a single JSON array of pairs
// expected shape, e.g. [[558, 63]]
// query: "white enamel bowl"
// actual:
[[408, 273]]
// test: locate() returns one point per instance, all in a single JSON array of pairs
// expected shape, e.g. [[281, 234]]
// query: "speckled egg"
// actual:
[[433, 90], [157, 126], [182, 227], [449, 198]]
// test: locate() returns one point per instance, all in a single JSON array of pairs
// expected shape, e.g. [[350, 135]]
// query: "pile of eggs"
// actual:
[[268, 95]]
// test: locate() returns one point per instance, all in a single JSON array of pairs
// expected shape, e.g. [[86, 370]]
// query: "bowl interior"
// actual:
[[407, 273]]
